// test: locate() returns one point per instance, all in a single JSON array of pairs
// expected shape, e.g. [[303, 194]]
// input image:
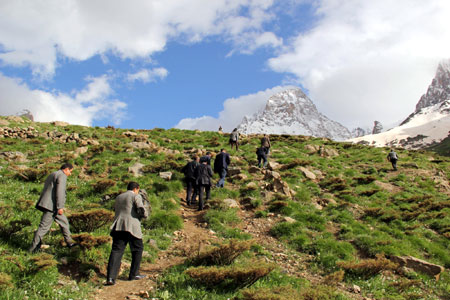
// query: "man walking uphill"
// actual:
[[189, 174], [203, 174], [392, 157], [51, 203], [221, 163], [126, 228]]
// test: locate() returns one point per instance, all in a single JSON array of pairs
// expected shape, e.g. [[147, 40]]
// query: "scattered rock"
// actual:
[[272, 165], [165, 175], [140, 145], [60, 123], [418, 265], [129, 133], [233, 171], [15, 156], [356, 289], [251, 186], [241, 176], [81, 150], [289, 220], [387, 186], [136, 169], [254, 169], [308, 174], [231, 203], [16, 119]]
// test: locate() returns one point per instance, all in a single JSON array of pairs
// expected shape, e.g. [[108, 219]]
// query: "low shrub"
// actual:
[[165, 220], [87, 241], [369, 267], [5, 281], [102, 185], [222, 255], [42, 261], [91, 220], [13, 226], [230, 276]]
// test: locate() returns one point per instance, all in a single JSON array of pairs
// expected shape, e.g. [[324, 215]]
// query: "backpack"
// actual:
[[392, 155]]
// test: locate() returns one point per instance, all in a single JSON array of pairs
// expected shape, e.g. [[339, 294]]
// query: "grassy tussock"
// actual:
[[87, 241], [5, 281], [222, 255], [369, 267], [232, 276], [102, 185], [319, 292], [10, 227], [43, 261], [91, 220]]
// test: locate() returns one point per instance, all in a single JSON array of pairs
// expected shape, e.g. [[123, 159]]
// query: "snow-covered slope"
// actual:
[[428, 124], [292, 112]]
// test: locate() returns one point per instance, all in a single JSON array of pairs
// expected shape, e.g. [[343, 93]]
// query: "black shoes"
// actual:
[[110, 281], [137, 277], [71, 245]]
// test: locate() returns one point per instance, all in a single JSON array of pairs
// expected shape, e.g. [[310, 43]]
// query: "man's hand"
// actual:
[[60, 211]]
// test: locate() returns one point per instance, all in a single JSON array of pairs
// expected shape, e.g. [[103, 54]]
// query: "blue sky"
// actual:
[[200, 64]]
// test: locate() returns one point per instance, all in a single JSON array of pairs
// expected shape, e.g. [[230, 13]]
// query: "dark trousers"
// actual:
[[201, 189], [394, 163], [235, 143], [262, 158], [120, 241], [223, 174], [191, 190]]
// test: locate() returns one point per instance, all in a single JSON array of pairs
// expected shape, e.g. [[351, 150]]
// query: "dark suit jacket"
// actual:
[[221, 161], [53, 196], [203, 174]]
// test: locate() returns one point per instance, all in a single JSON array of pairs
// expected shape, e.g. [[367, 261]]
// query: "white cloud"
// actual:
[[367, 60], [148, 75], [234, 109], [91, 103], [35, 33]]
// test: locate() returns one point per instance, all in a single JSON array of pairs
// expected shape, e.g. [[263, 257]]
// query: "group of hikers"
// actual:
[[132, 206]]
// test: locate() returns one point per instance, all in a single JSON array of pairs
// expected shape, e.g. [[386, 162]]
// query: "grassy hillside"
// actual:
[[349, 216]]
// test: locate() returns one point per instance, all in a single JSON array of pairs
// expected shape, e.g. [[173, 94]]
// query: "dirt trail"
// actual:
[[195, 236]]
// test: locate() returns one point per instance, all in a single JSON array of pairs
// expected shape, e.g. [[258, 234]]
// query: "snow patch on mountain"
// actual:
[[292, 112]]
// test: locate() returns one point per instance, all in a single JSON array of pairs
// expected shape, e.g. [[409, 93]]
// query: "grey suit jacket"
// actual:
[[53, 196], [129, 208]]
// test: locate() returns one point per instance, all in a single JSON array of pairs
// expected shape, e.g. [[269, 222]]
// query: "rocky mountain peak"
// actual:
[[292, 112], [439, 90]]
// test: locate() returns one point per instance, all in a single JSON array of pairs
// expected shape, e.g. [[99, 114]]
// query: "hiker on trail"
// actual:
[[265, 142], [203, 175], [206, 158], [51, 203], [189, 175], [221, 163], [130, 208], [234, 139], [392, 157], [261, 152], [220, 129]]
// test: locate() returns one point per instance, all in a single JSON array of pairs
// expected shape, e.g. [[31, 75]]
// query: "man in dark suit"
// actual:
[[221, 163], [189, 176], [126, 228], [203, 174], [51, 203]]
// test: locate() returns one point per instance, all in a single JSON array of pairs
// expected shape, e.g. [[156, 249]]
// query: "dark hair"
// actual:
[[67, 165], [208, 153], [132, 185], [221, 150]]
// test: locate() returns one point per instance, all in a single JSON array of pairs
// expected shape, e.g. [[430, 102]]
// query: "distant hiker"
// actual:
[[51, 203], [265, 142], [234, 139], [189, 176], [221, 163], [392, 157], [126, 229], [261, 152], [206, 158], [220, 129], [203, 175]]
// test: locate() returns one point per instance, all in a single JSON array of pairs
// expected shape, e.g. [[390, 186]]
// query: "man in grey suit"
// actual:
[[51, 203], [126, 228]]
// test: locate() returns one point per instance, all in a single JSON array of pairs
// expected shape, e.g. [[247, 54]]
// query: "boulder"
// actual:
[[80, 150], [251, 186], [280, 186], [272, 175], [140, 145], [308, 174], [15, 156], [330, 152], [418, 265], [253, 169], [312, 148], [231, 203], [136, 169], [233, 171], [92, 142], [241, 176], [272, 165], [165, 175], [129, 133], [60, 123]]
